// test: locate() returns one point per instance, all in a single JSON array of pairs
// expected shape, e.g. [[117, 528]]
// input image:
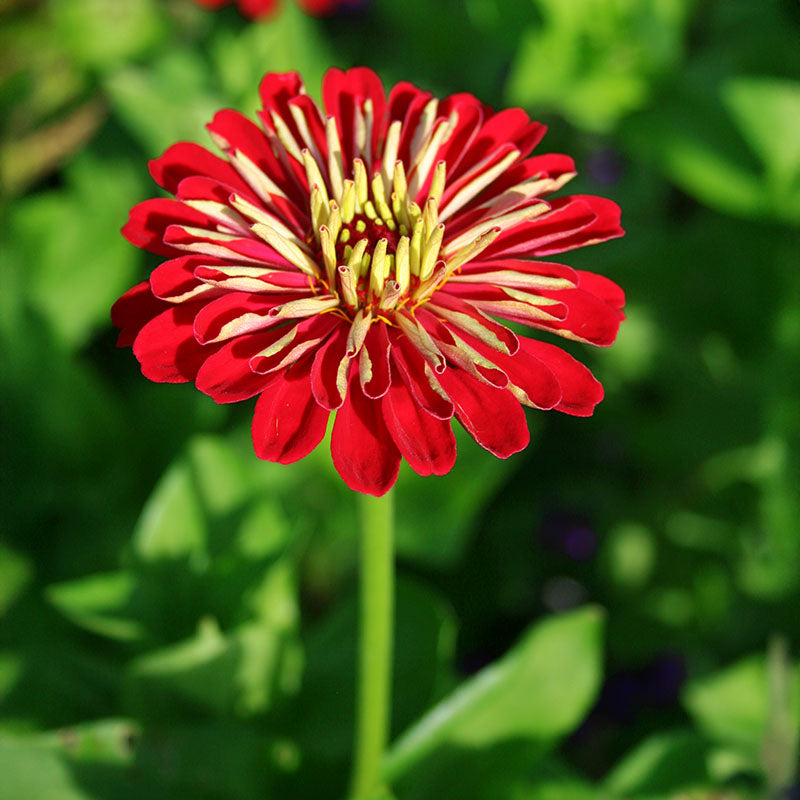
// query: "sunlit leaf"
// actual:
[[732, 705], [661, 765], [98, 603], [539, 691]]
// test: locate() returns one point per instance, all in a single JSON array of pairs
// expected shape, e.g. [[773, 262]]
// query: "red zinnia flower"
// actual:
[[256, 9], [356, 260]]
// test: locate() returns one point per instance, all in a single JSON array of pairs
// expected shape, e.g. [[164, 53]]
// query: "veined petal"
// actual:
[[374, 366], [363, 450], [287, 423], [166, 347], [226, 376], [149, 220], [467, 318], [329, 372], [235, 314], [245, 278], [459, 353], [580, 391], [531, 381], [287, 344], [187, 159], [175, 281], [492, 416], [427, 443], [134, 310], [420, 379]]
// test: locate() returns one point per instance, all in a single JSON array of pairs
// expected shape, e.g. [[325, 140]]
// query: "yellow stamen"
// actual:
[[348, 201], [335, 166], [402, 271]]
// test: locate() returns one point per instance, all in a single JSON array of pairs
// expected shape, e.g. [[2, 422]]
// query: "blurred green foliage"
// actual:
[[177, 619]]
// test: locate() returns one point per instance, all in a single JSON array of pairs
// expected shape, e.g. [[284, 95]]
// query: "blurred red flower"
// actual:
[[356, 259], [257, 9]]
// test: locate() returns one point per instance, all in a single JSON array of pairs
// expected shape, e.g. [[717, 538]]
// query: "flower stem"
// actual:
[[375, 652]]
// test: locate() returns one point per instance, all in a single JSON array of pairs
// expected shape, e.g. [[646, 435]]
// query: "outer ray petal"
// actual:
[[166, 347], [226, 376], [287, 423], [134, 310], [427, 443], [492, 416], [363, 450], [580, 390]]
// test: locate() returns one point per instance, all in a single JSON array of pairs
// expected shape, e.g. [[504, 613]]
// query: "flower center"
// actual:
[[378, 248]]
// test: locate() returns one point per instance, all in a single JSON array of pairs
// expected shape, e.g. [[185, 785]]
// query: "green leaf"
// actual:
[[15, 573], [99, 604], [76, 261], [512, 770], [33, 772], [101, 33], [740, 157], [731, 705], [661, 765], [242, 671], [449, 505], [292, 41], [118, 760], [767, 111], [172, 524], [424, 641], [167, 102], [593, 62], [538, 691]]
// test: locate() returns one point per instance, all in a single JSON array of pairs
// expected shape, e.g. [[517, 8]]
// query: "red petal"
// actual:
[[527, 373], [547, 165], [313, 118], [287, 423], [492, 416], [455, 304], [416, 374], [166, 347], [427, 443], [602, 287], [605, 226], [580, 391], [215, 315], [407, 103], [276, 90], [174, 278], [237, 132], [548, 269], [330, 368], [258, 9], [376, 349], [134, 310], [308, 333], [567, 218], [198, 187], [342, 92], [363, 450], [588, 317], [453, 151], [226, 376], [510, 126], [185, 159], [150, 219]]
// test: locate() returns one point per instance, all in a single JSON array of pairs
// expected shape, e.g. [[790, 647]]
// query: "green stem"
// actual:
[[375, 651]]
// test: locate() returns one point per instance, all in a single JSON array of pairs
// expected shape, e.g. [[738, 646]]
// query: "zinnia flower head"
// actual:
[[258, 9], [356, 260]]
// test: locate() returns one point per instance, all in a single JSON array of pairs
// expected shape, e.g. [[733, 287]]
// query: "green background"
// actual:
[[608, 615]]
